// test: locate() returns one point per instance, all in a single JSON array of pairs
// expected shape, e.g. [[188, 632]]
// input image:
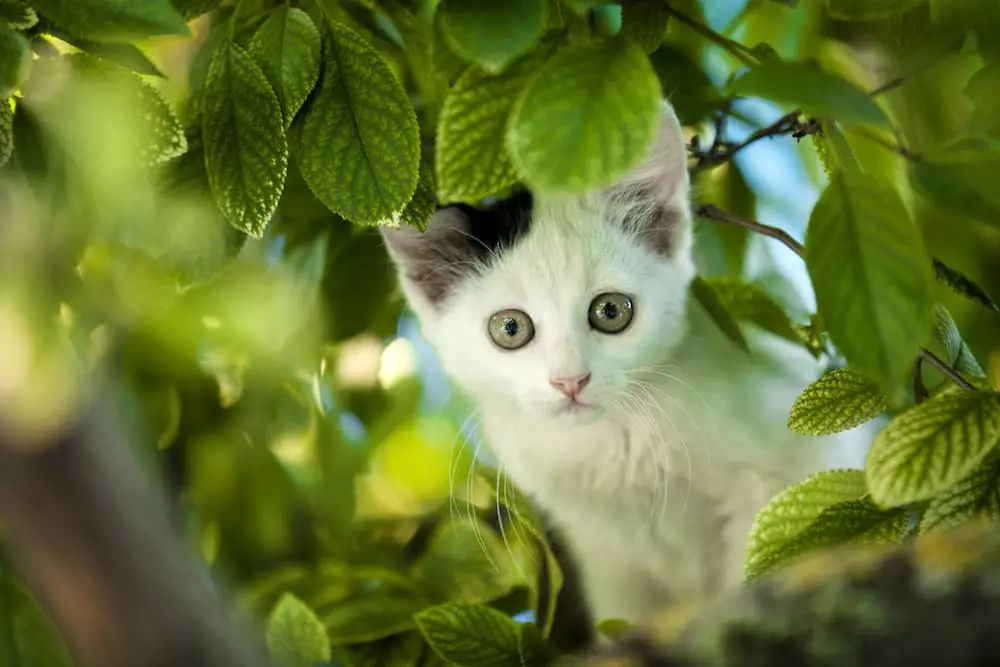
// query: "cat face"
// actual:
[[555, 306]]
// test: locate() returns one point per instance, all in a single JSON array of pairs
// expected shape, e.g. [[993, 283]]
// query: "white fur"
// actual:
[[656, 492]]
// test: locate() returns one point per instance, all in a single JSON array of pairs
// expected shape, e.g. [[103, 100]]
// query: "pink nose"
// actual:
[[571, 386]]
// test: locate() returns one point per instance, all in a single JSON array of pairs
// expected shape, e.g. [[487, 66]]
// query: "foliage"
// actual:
[[216, 259]]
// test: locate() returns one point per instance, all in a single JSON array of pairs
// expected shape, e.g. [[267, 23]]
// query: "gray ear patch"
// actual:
[[458, 242]]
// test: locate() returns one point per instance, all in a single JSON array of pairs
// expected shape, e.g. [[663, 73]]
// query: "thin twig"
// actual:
[[713, 212], [738, 51], [920, 393]]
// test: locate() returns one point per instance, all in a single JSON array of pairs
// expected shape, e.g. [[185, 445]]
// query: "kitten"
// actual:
[[648, 438]]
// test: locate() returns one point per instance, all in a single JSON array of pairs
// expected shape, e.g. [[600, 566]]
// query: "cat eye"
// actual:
[[511, 329], [611, 312]]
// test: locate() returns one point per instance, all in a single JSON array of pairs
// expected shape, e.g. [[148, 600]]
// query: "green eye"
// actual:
[[511, 329], [610, 312]]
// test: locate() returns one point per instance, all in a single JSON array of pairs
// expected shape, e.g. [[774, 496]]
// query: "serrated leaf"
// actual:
[[866, 10], [119, 53], [422, 205], [6, 131], [295, 637], [357, 140], [492, 33], [470, 635], [369, 618], [242, 129], [719, 313], [962, 285], [751, 302], [840, 400], [17, 14], [815, 91], [872, 277], [645, 23], [288, 49], [114, 20], [588, 116], [959, 357], [15, 60], [794, 509], [961, 179], [27, 636], [849, 522], [976, 496], [929, 447], [471, 158]]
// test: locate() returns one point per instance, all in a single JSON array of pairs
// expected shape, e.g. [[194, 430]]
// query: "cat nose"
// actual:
[[571, 386]]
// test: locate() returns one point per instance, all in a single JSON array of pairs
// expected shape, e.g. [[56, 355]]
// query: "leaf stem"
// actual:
[[713, 212], [738, 51], [902, 151]]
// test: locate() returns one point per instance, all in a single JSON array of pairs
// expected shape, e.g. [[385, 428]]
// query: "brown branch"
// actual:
[[713, 212]]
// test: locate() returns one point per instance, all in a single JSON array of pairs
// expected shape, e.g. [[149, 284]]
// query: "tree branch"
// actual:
[[713, 212], [738, 51]]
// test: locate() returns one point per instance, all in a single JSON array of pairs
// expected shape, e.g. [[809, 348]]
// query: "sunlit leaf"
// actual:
[[872, 277], [492, 33], [590, 114], [645, 23], [840, 400], [718, 311], [287, 48], [15, 60], [959, 357], [114, 20], [465, 634], [926, 449], [6, 131], [975, 496], [295, 637]]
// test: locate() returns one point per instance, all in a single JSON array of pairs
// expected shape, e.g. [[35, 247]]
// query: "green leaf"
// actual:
[[645, 23], [126, 55], [872, 277], [357, 141], [685, 84], [15, 60], [840, 400], [295, 637], [471, 159], [114, 20], [190, 9], [27, 636], [867, 10], [17, 15], [849, 522], [588, 116], [614, 628], [928, 448], [816, 92], [473, 635], [245, 150], [751, 302], [422, 205], [793, 510], [962, 285], [716, 309], [6, 131], [288, 49], [959, 356], [370, 617], [492, 33], [976, 496], [961, 179]]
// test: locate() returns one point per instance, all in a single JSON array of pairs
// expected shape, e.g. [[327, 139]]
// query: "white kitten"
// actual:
[[649, 439]]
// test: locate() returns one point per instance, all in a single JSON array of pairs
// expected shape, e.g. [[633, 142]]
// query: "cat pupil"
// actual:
[[609, 310], [510, 327]]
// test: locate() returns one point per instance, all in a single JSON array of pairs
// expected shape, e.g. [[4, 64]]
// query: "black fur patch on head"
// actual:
[[458, 241]]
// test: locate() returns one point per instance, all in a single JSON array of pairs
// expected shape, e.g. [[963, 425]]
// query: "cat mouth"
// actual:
[[574, 407]]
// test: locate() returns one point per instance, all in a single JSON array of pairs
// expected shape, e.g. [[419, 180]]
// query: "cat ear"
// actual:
[[430, 262], [653, 199]]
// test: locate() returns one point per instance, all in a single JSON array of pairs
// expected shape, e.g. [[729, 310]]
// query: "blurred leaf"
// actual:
[[926, 449], [27, 636], [615, 628], [15, 60], [849, 522], [794, 510], [295, 637], [492, 34], [288, 49], [470, 635], [716, 309], [370, 617], [961, 179], [974, 497], [357, 139], [114, 20], [588, 116], [645, 23], [866, 10], [838, 401], [750, 302], [816, 92], [400, 651], [190, 9], [245, 151], [120, 53], [872, 277], [472, 161], [6, 130], [17, 15], [962, 285], [959, 356], [685, 84]]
